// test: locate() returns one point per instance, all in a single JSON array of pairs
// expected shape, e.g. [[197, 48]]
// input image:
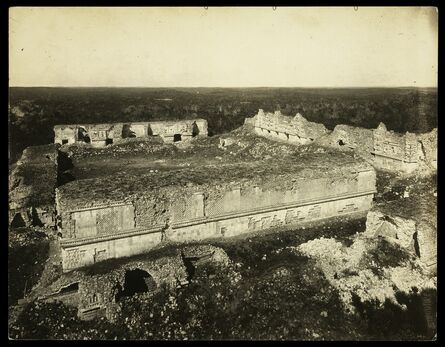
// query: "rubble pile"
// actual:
[[370, 268]]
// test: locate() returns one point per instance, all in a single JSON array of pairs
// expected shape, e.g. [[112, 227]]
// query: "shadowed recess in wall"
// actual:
[[18, 221], [64, 166], [136, 281]]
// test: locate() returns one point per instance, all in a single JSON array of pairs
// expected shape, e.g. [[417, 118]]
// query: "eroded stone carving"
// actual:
[[385, 149]]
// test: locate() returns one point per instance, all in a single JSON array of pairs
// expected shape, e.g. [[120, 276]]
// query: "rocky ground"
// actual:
[[27, 254], [278, 285]]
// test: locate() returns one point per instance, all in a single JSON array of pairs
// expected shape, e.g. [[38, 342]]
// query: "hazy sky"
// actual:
[[223, 47]]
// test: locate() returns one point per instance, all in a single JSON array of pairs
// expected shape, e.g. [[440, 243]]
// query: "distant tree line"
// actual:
[[34, 111]]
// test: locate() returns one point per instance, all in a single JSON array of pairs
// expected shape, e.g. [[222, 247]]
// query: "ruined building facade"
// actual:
[[100, 135], [386, 150], [292, 129], [396, 151], [92, 232]]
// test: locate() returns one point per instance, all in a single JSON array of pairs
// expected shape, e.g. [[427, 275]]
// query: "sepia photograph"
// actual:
[[222, 173]]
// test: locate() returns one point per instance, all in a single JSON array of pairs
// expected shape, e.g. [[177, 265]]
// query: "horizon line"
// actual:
[[227, 87]]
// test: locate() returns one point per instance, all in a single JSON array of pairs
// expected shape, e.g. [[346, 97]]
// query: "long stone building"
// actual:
[[118, 216], [100, 135]]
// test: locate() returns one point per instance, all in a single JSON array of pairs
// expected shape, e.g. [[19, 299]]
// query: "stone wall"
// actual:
[[100, 135], [290, 129], [96, 221], [408, 152], [94, 291], [385, 149], [83, 253], [240, 223], [345, 137], [187, 213], [31, 187], [419, 237]]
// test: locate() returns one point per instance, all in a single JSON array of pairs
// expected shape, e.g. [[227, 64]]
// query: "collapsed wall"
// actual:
[[410, 223], [345, 137], [122, 215], [428, 150], [97, 291], [31, 187]]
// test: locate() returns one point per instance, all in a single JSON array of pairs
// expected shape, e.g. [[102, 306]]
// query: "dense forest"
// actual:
[[34, 111]]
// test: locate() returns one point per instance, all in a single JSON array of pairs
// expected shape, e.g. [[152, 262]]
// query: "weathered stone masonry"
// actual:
[[100, 135], [123, 228], [31, 187], [293, 130], [386, 150]]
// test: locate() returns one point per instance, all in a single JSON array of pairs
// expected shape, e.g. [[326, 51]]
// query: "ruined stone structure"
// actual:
[[98, 294], [395, 151], [345, 137], [413, 228], [294, 130], [132, 221], [31, 187], [100, 135], [385, 149]]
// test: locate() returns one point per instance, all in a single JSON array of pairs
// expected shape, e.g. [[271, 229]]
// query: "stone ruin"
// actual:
[[100, 219], [100, 135], [31, 187], [105, 218], [386, 150], [294, 130], [415, 231], [97, 293]]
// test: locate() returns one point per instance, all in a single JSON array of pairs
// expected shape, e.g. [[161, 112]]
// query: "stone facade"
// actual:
[[95, 233], [394, 151], [290, 129], [96, 293], [386, 150], [100, 135]]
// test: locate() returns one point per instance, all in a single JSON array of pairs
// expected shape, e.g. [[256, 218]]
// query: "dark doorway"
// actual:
[[189, 263], [108, 142], [83, 136], [35, 218], [195, 129], [177, 137], [18, 221], [127, 132], [64, 164], [64, 142], [136, 281]]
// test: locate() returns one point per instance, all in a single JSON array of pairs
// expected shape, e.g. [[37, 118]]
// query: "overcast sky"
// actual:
[[223, 47]]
